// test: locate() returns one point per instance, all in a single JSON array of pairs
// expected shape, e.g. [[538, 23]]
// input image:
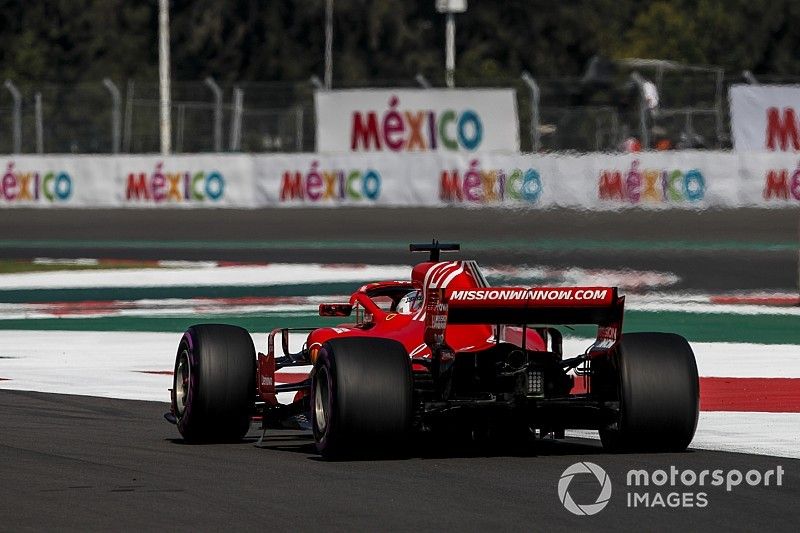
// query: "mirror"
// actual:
[[335, 309]]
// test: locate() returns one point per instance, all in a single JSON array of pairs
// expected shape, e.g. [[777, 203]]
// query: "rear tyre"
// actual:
[[361, 397], [659, 394], [213, 389]]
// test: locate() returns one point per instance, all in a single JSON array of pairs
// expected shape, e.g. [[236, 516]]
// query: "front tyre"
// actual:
[[361, 396], [658, 391], [213, 389]]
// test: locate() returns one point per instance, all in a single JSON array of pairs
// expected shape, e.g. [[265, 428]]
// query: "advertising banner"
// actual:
[[55, 181], [650, 180], [313, 180], [417, 120], [128, 181], [764, 117], [769, 180], [201, 180]]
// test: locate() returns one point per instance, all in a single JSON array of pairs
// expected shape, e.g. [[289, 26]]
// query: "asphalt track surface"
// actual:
[[714, 250], [74, 463]]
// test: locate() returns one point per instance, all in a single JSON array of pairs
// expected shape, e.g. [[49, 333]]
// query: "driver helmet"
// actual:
[[410, 302]]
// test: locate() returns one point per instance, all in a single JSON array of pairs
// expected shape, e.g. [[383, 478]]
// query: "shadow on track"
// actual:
[[426, 447]]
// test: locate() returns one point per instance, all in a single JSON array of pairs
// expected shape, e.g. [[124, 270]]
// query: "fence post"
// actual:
[[217, 112], [749, 78], [422, 80], [298, 117], [645, 134], [16, 119], [236, 121], [718, 107], [164, 80], [180, 127], [316, 83], [116, 115], [126, 137], [37, 111], [536, 140], [328, 44], [450, 50]]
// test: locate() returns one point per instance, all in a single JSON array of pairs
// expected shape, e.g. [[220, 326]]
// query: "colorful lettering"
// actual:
[[169, 187], [31, 186], [490, 186], [780, 185], [330, 185], [782, 128], [651, 185], [406, 130]]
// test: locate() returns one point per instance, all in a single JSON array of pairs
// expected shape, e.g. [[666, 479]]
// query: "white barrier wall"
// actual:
[[654, 180]]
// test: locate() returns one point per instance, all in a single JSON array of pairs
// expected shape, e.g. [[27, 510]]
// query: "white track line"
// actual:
[[274, 274], [199, 274], [729, 359], [110, 364]]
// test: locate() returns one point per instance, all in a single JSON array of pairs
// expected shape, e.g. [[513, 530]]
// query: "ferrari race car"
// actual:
[[445, 352]]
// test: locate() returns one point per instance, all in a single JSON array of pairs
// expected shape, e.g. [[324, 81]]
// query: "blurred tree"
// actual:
[[75, 40], [664, 30], [757, 35]]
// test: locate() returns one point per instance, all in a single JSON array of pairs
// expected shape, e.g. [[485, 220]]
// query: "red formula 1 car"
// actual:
[[443, 351]]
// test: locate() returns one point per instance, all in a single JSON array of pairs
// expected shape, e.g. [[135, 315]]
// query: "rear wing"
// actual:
[[540, 306], [535, 305]]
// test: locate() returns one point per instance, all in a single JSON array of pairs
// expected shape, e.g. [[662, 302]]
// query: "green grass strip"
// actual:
[[219, 291], [759, 329], [519, 244]]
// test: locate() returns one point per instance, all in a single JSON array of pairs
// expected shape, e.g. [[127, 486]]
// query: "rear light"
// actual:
[[447, 355], [535, 383]]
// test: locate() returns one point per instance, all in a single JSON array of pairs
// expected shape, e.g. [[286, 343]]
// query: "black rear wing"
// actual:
[[535, 305]]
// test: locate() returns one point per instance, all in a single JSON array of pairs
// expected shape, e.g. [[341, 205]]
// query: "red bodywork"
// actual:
[[460, 306]]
